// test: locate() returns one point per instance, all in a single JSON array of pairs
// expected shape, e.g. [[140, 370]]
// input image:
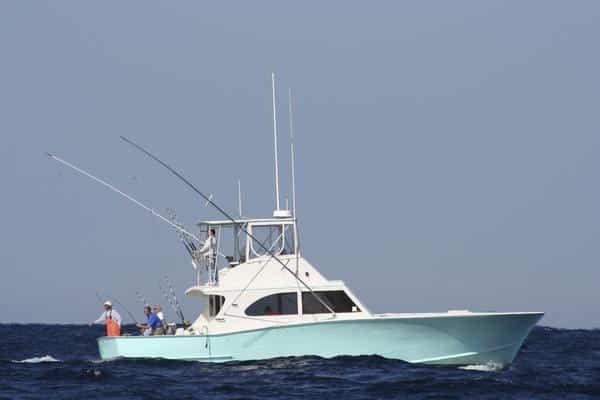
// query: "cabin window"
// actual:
[[338, 300], [275, 304], [288, 240], [215, 302]]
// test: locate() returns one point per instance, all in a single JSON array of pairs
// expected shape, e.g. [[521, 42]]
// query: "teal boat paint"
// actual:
[[453, 339]]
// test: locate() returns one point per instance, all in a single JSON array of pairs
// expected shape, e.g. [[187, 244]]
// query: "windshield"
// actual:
[[277, 238]]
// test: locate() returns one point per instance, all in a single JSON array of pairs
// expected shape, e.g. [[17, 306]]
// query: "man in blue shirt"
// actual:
[[154, 325]]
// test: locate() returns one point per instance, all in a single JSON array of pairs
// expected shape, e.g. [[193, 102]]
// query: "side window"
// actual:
[[275, 304], [338, 300]]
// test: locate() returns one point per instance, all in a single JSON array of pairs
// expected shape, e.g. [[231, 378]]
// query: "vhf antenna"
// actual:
[[240, 198], [293, 161], [278, 213], [275, 143], [293, 156]]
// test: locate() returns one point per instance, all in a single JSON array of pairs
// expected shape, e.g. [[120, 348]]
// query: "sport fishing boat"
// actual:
[[258, 309], [262, 299]]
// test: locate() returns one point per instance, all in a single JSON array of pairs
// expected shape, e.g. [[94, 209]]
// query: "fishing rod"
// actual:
[[180, 309], [170, 301], [186, 240], [166, 296], [113, 298], [128, 197], [229, 217], [173, 302]]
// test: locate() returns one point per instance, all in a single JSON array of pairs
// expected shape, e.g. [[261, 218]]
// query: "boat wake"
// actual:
[[489, 367], [35, 360]]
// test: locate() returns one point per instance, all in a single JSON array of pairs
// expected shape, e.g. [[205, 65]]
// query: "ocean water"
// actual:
[[62, 362]]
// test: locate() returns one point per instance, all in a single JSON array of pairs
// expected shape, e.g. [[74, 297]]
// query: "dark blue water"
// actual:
[[553, 364]]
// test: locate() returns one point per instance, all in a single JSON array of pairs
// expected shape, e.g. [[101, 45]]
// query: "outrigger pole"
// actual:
[[226, 215], [128, 197], [293, 162]]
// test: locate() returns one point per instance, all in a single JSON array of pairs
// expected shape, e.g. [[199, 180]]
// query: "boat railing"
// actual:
[[209, 266]]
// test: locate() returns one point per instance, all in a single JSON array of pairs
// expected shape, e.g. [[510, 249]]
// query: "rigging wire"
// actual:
[[262, 267], [229, 217]]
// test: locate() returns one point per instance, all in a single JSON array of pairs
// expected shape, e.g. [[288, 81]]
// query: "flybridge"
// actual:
[[243, 240], [241, 221]]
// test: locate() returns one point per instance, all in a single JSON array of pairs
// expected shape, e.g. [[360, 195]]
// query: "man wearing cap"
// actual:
[[154, 325], [111, 318], [209, 252], [159, 313]]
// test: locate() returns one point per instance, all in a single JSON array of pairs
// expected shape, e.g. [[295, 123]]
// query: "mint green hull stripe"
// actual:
[[436, 340]]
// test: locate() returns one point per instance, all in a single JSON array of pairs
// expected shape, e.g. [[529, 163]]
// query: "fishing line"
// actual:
[[123, 306], [99, 298], [141, 298]]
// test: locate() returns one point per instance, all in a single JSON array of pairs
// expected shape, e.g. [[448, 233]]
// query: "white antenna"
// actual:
[[240, 197], [292, 153], [275, 141]]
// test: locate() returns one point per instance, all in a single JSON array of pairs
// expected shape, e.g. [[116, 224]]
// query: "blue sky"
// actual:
[[448, 152]]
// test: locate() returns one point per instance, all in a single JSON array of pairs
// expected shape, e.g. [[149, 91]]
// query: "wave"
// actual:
[[489, 367], [35, 360]]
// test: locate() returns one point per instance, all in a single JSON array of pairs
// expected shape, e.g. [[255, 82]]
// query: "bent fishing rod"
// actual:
[[113, 298], [226, 215]]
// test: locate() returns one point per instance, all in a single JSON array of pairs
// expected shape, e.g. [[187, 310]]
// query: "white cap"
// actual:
[[108, 303]]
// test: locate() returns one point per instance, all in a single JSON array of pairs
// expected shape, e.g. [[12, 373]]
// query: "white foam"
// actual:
[[489, 367], [35, 360], [246, 368]]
